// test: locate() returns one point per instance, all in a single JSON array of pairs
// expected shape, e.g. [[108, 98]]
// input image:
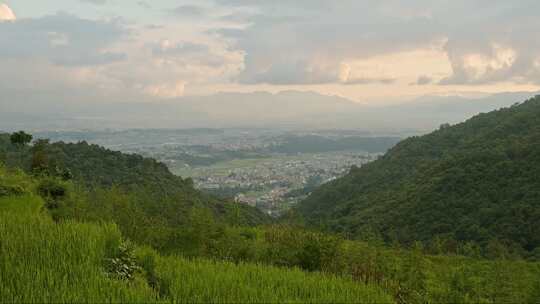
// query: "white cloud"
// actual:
[[6, 14], [305, 42], [168, 90], [412, 47]]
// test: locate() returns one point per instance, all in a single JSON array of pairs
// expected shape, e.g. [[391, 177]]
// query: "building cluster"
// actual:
[[276, 183]]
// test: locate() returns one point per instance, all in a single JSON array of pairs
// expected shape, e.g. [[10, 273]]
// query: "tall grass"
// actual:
[[466, 280], [205, 281], [45, 262]]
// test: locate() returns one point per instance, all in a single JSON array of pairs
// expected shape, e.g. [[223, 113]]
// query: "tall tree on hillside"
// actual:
[[40, 159]]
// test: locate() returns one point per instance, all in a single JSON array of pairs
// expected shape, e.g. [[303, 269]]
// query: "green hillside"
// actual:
[[60, 244], [477, 181], [155, 195], [150, 205], [43, 261]]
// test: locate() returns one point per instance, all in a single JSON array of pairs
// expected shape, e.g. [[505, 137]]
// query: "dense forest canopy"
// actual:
[[476, 181]]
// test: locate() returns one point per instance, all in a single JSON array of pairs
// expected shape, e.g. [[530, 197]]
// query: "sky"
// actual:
[[370, 51]]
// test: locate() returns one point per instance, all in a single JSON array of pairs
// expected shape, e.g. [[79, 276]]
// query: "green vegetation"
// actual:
[[213, 261], [20, 138], [451, 217], [44, 261], [204, 281], [41, 261], [141, 195], [473, 184]]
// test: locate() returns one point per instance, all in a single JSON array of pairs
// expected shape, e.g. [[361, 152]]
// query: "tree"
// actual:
[[201, 231], [20, 138], [40, 159], [444, 126]]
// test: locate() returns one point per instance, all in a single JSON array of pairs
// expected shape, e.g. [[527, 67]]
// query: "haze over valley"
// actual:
[[291, 110]]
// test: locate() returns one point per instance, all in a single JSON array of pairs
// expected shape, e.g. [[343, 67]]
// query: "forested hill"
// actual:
[[147, 179], [476, 181]]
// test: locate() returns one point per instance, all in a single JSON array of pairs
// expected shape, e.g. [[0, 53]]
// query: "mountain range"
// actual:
[[288, 110]]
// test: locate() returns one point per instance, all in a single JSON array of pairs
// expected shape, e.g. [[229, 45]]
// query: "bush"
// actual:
[[123, 265], [51, 188], [52, 191], [147, 258]]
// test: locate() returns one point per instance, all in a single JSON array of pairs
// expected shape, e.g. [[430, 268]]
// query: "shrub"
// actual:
[[123, 265], [52, 191]]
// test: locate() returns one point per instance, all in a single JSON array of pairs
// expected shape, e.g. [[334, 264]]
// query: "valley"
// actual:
[[398, 227], [269, 169], [267, 152]]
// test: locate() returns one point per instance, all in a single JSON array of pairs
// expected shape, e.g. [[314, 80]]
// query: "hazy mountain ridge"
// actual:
[[288, 109]]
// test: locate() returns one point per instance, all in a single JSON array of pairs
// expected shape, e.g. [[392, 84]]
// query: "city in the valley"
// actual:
[[268, 169]]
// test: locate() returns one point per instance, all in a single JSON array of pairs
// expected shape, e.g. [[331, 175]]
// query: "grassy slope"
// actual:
[[474, 181], [204, 281], [42, 261]]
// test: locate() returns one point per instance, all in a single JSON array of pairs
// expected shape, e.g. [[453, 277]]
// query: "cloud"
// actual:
[[423, 80], [188, 53], [154, 27], [144, 4], [96, 2], [6, 14], [108, 57], [63, 39], [189, 11], [305, 42], [356, 81], [168, 90], [284, 72], [239, 44], [166, 48], [237, 17]]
